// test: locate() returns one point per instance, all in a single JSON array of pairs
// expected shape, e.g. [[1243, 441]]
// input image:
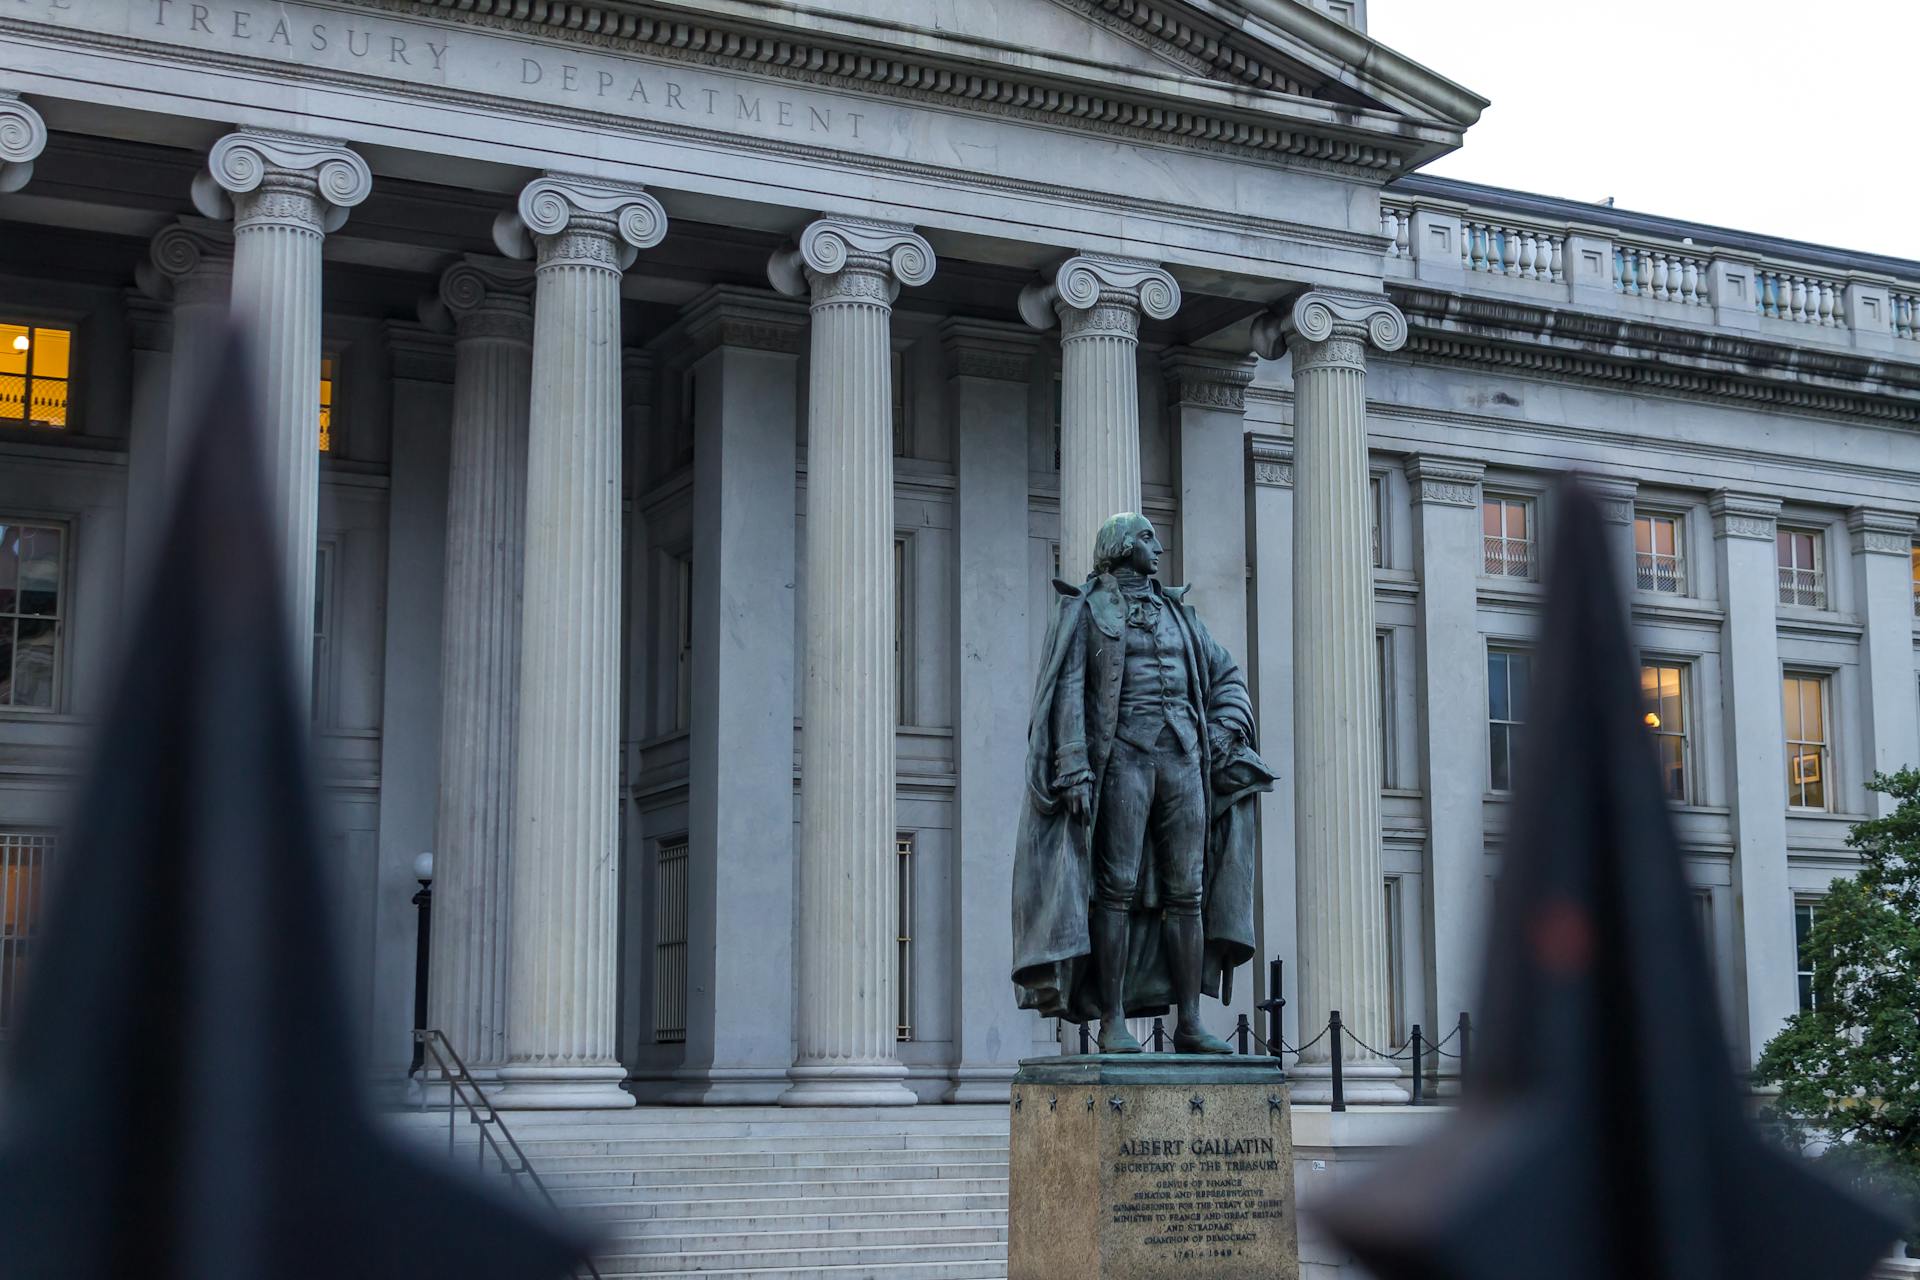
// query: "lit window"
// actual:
[[1803, 581], [30, 614], [1507, 674], [1659, 558], [1663, 693], [35, 364], [1803, 966], [23, 878], [326, 404], [903, 976], [670, 941], [1507, 524], [1803, 703]]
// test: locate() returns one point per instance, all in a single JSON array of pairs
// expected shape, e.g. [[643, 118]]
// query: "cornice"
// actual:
[[1743, 515], [1206, 379], [1447, 482], [658, 31], [1271, 461], [1879, 532], [1569, 346]]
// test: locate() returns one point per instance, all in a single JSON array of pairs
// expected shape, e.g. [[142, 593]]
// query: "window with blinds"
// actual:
[[670, 941]]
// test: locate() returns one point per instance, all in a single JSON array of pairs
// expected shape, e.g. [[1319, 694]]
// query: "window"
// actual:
[[683, 659], [1803, 581], [1663, 690], [1383, 687], [1659, 558], [903, 972], [670, 941], [35, 364], [30, 614], [902, 659], [1804, 701], [326, 403], [1508, 526], [1803, 966], [1396, 991], [23, 867], [1508, 672], [1375, 486]]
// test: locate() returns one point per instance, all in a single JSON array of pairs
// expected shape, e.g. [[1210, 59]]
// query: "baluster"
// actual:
[[1506, 246], [1799, 299], [1558, 268], [1466, 244], [1689, 282], [1526, 255], [1770, 293], [1660, 277], [1830, 313], [1403, 237], [1642, 272], [1482, 245], [1902, 316], [1387, 220], [1619, 269]]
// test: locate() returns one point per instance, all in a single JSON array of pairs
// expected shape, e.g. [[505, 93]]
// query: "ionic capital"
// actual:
[[1743, 515], [1875, 532], [1323, 329], [1206, 379], [851, 260], [23, 136], [483, 297], [581, 222], [258, 178], [1446, 482], [189, 261], [1095, 293]]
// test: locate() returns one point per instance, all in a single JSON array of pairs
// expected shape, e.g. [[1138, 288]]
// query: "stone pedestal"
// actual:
[[1139, 1166]]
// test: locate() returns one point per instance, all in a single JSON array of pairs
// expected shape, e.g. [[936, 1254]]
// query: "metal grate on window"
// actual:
[[1803, 579], [670, 941], [23, 868], [903, 978]]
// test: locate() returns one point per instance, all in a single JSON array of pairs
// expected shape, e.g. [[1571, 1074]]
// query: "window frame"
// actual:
[[63, 595], [1684, 666], [1509, 650], [1393, 912], [327, 402], [1804, 995], [1383, 681], [1818, 581], [904, 847], [70, 323], [1823, 681], [1530, 506], [1646, 566]]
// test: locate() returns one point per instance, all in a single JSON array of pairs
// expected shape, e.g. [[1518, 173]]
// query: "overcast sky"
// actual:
[[1796, 118]]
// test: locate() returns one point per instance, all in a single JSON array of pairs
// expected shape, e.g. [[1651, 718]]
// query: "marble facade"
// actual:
[[718, 388]]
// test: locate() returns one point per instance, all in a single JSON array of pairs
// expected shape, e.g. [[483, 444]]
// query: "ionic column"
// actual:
[[1336, 760], [845, 1018], [284, 193], [490, 302], [1098, 301], [565, 867], [23, 136]]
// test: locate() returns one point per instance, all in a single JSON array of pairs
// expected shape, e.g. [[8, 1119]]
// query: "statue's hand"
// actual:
[[1080, 800]]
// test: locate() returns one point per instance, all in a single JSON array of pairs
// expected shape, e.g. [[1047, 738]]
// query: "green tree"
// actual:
[[1848, 1069]]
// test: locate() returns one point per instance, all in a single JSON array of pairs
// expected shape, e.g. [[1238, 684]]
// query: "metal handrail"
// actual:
[[462, 1088]]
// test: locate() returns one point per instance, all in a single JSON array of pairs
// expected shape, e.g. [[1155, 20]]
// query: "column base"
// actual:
[[725, 1086], [981, 1084], [865, 1085], [1361, 1082], [543, 1088]]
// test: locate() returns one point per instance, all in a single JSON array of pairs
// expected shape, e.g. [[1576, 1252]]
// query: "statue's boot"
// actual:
[[1110, 953], [1185, 945]]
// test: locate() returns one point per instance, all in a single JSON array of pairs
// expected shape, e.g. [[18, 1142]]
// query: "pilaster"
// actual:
[[989, 370], [1452, 723], [561, 1049], [284, 193], [1098, 301], [1270, 680], [1207, 399], [846, 1018], [1743, 536], [23, 136], [1336, 770], [1615, 499], [1882, 549]]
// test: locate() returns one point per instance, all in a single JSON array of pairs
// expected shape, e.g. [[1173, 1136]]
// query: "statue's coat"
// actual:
[[1052, 863]]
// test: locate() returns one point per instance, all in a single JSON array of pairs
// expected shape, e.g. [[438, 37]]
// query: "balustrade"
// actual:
[[1503, 249], [1905, 308], [1803, 299], [1662, 274]]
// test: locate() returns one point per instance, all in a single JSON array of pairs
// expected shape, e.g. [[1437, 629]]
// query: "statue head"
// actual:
[[1126, 540]]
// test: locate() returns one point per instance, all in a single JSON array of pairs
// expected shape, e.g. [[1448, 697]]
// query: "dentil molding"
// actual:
[[23, 136]]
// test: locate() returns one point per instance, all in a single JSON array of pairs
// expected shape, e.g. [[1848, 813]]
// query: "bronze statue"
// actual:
[[1133, 876]]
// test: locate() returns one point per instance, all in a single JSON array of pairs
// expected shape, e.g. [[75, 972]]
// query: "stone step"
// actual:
[[764, 1261], [541, 1149], [608, 1205], [601, 1174], [801, 1223], [980, 1269], [773, 1237], [685, 1157], [796, 1190]]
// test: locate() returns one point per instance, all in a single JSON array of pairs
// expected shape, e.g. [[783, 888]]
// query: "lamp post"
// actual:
[[423, 902]]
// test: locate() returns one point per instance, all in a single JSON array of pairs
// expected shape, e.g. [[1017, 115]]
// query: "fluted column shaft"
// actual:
[[492, 305], [1098, 302], [1336, 754], [284, 194], [564, 873], [846, 1018]]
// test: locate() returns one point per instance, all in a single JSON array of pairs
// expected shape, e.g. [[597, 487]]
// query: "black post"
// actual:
[[1333, 1043], [1414, 1044], [1243, 1031], [423, 900], [1273, 1004], [1159, 1036], [1085, 1044], [1466, 1047]]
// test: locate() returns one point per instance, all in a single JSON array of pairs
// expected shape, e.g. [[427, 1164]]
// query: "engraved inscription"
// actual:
[[1197, 1199]]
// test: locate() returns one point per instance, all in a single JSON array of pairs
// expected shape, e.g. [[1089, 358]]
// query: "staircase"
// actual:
[[913, 1193]]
